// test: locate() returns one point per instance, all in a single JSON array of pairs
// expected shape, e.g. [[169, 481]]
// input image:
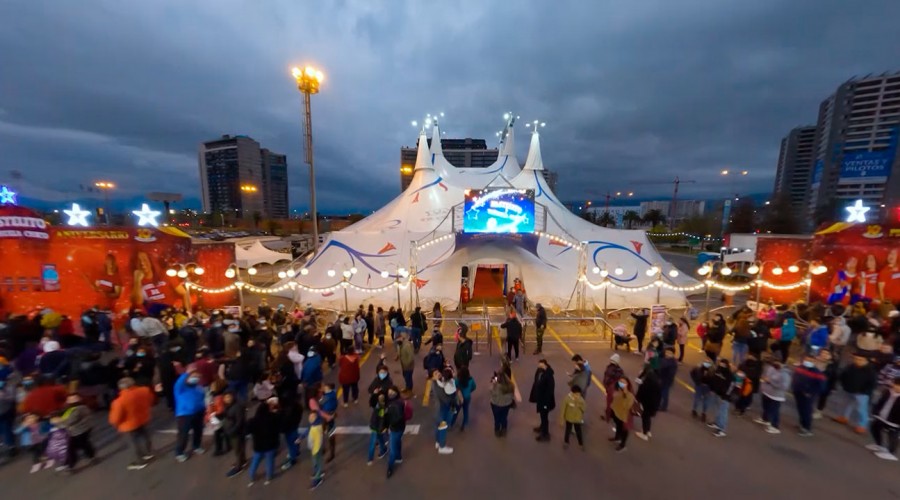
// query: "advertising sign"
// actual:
[[871, 166], [817, 172], [498, 210], [658, 315]]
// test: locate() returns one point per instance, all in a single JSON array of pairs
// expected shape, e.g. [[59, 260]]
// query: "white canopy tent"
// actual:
[[255, 254], [417, 239]]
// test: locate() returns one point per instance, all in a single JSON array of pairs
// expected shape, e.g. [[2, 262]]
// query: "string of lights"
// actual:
[[403, 285], [688, 235], [713, 284]]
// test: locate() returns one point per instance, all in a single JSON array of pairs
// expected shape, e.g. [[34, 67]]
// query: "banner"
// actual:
[[871, 166], [862, 264], [115, 269]]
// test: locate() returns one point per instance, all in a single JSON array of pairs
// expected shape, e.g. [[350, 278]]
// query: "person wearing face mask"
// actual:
[[407, 357], [395, 421], [886, 413], [231, 338], [76, 421], [190, 408], [622, 403], [130, 414], [141, 366], [808, 383], [434, 360], [721, 385]]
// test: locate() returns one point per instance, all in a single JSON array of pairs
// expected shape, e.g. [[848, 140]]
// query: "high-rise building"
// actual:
[[795, 163], [275, 184], [461, 153], [240, 179], [684, 209], [856, 148]]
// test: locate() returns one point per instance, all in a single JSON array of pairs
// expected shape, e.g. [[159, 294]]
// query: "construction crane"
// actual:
[[674, 203]]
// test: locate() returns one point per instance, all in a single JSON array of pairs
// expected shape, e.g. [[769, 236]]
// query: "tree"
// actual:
[[701, 225], [606, 219], [630, 217], [743, 217], [781, 217], [654, 217]]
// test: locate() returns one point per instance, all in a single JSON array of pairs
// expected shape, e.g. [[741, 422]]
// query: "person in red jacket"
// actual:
[[130, 414], [45, 399], [348, 375]]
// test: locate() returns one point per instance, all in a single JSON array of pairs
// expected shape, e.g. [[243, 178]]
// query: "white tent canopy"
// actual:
[[413, 251], [255, 254]]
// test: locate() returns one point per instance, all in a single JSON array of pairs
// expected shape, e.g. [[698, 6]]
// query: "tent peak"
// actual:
[[423, 156], [436, 148], [534, 160]]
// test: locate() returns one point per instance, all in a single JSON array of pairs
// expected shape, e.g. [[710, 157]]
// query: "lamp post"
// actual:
[[400, 273], [232, 272], [346, 274], [813, 267], [308, 81], [105, 186], [184, 272], [709, 269]]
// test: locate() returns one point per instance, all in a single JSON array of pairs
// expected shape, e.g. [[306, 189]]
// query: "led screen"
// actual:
[[499, 210]]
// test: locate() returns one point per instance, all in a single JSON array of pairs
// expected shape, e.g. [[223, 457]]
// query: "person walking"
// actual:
[[668, 369], [622, 404], [380, 327], [573, 416], [542, 395], [752, 369], [129, 413], [265, 429], [581, 376], [858, 380], [417, 323], [377, 426], [316, 444], [190, 408], [611, 376], [76, 422], [808, 382], [540, 326], [395, 420], [649, 394], [348, 376], [715, 337], [513, 334], [684, 328], [774, 384], [886, 413], [444, 387], [407, 358], [640, 327], [502, 400], [234, 424], [721, 385], [701, 376], [465, 384]]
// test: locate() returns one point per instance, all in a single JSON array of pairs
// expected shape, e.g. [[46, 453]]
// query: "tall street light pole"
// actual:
[[308, 81], [105, 186]]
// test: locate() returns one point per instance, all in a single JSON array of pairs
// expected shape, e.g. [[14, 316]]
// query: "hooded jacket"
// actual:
[[131, 410], [463, 354], [189, 399], [265, 428], [859, 379], [543, 390], [513, 329], [311, 373], [649, 393]]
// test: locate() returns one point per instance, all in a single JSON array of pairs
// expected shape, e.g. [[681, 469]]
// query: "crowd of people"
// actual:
[[259, 373]]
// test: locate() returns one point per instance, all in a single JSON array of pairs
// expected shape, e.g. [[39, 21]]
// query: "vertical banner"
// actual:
[[658, 314]]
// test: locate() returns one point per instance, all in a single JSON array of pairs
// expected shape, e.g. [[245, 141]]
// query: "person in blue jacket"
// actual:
[[311, 373], [190, 408]]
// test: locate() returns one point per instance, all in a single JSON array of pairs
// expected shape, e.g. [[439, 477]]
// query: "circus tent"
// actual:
[[413, 250]]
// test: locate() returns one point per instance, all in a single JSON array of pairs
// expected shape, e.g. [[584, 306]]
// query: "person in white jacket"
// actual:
[[295, 358], [839, 335]]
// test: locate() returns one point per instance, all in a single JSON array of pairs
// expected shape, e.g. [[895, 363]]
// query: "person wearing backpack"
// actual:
[[76, 421], [788, 334]]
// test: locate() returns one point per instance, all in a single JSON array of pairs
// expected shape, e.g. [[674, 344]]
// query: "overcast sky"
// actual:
[[632, 91]]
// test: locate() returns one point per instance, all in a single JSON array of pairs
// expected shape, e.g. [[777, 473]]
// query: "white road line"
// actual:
[[346, 430]]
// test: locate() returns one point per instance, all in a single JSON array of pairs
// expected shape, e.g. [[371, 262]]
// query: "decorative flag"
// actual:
[[416, 199], [421, 283], [637, 246], [387, 248]]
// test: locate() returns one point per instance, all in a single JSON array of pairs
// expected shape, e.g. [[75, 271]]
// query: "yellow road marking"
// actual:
[[572, 353]]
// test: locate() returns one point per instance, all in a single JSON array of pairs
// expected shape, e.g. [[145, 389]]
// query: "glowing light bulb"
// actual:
[[252, 271], [182, 274], [753, 269], [385, 274], [793, 268], [171, 273], [726, 271], [229, 273], [777, 271], [304, 271], [331, 273], [199, 271]]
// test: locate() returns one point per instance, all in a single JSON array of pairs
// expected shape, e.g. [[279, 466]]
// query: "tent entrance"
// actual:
[[490, 284]]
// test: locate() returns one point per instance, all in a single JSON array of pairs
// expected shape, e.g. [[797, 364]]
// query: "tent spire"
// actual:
[[534, 160], [508, 139], [436, 148], [423, 157]]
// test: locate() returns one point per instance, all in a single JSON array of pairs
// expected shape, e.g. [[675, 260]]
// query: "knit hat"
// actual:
[[614, 359]]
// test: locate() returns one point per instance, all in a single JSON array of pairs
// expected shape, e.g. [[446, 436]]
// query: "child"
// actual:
[[437, 338], [215, 413], [234, 425], [31, 438], [573, 415], [743, 392], [377, 426], [316, 442], [328, 411]]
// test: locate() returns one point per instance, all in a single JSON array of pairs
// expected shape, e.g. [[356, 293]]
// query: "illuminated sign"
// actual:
[[857, 212], [146, 216], [7, 196], [499, 211], [77, 216]]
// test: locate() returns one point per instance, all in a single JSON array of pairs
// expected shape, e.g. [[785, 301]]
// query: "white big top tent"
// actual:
[[412, 251]]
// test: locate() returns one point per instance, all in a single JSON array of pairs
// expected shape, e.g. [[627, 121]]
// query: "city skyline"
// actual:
[[626, 93]]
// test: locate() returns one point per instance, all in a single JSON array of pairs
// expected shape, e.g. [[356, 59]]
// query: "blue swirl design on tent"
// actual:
[[480, 171], [426, 186], [355, 255], [540, 191], [607, 245]]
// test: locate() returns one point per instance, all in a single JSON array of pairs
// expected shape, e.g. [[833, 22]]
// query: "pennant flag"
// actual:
[[421, 283], [387, 248], [327, 294], [416, 199], [558, 243], [441, 184], [369, 279], [637, 246]]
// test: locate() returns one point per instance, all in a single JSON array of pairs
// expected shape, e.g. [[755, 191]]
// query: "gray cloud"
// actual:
[[632, 91]]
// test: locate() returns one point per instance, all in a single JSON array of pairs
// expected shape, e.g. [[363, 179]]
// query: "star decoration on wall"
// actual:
[[146, 216], [77, 216]]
